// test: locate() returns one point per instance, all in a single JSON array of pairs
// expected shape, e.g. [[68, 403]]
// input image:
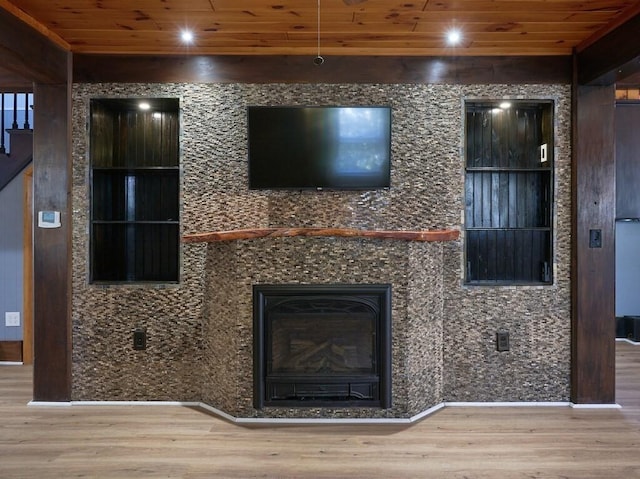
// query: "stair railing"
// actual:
[[16, 102]]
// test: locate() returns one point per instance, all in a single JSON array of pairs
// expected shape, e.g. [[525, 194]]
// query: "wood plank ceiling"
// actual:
[[347, 27]]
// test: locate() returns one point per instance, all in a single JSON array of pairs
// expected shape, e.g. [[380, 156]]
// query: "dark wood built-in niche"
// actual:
[[509, 192], [134, 190]]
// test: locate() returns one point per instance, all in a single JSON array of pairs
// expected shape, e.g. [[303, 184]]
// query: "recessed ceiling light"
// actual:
[[143, 105], [505, 104], [186, 36], [454, 36]]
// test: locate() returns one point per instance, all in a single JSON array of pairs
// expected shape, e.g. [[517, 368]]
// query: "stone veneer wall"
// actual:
[[416, 330], [537, 368], [184, 353]]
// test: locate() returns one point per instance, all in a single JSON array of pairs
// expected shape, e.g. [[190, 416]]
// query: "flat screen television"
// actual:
[[316, 147]]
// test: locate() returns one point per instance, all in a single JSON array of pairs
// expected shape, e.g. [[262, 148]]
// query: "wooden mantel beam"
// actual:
[[244, 234]]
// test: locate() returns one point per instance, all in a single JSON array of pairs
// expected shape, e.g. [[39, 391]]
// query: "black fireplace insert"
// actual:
[[322, 345]]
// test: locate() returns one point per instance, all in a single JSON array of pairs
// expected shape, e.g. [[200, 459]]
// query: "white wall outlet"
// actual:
[[12, 318]]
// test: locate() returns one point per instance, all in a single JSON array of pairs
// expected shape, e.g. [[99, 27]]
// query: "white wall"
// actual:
[[628, 268], [11, 271]]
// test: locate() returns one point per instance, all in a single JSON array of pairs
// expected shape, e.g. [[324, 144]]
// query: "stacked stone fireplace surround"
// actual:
[[200, 331], [412, 269]]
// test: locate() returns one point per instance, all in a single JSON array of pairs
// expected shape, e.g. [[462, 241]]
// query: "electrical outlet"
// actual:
[[12, 318], [139, 339], [502, 340]]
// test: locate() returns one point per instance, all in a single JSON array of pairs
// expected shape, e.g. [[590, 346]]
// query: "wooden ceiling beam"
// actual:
[[613, 55], [33, 23], [12, 83], [26, 53], [336, 69]]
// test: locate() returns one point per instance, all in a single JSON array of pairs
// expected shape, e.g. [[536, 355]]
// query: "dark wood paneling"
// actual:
[[28, 54], [631, 79], [627, 75], [11, 351], [601, 62], [627, 160], [508, 194], [10, 82], [301, 69], [135, 192], [593, 300], [52, 247]]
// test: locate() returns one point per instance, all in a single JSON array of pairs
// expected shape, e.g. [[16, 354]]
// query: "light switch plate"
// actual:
[[12, 318]]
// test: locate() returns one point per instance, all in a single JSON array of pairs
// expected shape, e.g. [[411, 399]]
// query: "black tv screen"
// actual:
[[335, 147]]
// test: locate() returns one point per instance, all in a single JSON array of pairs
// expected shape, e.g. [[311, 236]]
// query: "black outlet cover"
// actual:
[[502, 341], [139, 339]]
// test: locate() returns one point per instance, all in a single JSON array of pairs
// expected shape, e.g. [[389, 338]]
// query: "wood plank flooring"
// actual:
[[461, 443]]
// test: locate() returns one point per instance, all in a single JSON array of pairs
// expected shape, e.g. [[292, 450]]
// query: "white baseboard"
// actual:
[[596, 406], [532, 404], [112, 403], [310, 421], [137, 403], [508, 404]]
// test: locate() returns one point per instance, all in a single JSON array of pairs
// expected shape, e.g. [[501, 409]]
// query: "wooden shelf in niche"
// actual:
[[244, 234]]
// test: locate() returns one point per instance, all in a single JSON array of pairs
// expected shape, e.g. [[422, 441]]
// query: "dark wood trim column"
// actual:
[[52, 247], [593, 266], [33, 58]]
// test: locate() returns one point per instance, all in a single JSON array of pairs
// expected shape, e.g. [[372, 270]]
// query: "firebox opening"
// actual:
[[322, 345]]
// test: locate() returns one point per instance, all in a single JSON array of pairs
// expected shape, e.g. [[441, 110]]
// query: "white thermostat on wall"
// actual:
[[48, 219]]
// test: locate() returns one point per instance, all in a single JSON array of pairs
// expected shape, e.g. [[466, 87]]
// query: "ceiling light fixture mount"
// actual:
[[318, 60]]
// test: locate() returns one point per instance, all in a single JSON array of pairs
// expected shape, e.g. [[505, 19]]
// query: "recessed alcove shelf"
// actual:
[[243, 234]]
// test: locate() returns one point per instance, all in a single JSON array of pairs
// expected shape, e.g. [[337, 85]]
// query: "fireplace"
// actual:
[[322, 345]]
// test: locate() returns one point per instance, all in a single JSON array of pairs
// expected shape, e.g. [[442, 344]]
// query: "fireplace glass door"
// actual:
[[326, 346]]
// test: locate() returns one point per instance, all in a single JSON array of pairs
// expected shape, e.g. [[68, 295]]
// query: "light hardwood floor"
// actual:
[[175, 442]]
